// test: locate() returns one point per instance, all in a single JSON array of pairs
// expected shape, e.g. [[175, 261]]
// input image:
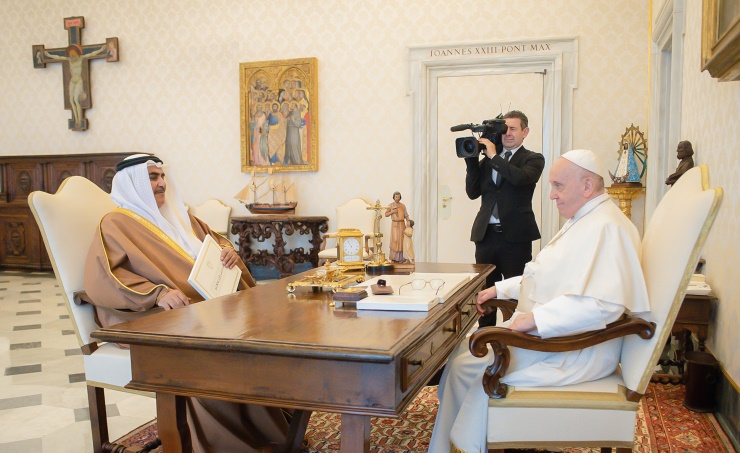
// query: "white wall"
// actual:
[[175, 91], [710, 118]]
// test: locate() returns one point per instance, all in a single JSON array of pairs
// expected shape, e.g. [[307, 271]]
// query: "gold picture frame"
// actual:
[[279, 115], [720, 39]]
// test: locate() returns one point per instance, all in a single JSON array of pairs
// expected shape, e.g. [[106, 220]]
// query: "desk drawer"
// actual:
[[417, 361], [468, 312]]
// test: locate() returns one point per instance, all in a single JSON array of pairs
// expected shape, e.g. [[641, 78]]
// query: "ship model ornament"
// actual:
[[262, 187], [632, 161]]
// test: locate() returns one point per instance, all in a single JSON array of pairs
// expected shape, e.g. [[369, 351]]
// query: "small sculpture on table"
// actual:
[[379, 263], [684, 151], [399, 217], [408, 243], [627, 177]]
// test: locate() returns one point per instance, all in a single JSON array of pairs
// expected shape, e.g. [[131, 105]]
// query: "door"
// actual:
[[472, 99]]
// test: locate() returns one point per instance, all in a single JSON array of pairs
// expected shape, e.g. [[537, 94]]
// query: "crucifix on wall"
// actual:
[[76, 68]]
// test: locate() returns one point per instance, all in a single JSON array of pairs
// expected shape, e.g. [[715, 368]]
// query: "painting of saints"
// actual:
[[279, 116]]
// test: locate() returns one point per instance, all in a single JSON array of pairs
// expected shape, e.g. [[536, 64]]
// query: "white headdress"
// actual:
[[132, 190]]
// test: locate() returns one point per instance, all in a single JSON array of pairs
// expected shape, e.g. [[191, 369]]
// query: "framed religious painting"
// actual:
[[279, 115], [720, 39]]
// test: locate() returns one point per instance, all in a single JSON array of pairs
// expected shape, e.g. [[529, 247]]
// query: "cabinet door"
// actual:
[[56, 172], [21, 240], [101, 172], [23, 178]]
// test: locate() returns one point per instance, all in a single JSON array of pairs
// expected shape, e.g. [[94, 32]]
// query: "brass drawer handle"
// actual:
[[466, 312], [418, 362], [452, 329]]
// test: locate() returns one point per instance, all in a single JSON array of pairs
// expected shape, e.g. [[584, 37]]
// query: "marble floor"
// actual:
[[43, 397]]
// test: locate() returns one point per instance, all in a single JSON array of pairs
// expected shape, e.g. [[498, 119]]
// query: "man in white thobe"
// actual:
[[584, 279]]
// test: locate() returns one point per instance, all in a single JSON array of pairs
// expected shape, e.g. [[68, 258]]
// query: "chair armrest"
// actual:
[[323, 241], [507, 306], [500, 338], [368, 242]]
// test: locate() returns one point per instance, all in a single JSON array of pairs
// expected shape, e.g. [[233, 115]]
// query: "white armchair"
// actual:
[[68, 221], [215, 214], [353, 214], [602, 413]]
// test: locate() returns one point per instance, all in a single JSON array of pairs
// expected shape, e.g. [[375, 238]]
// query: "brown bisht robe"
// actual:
[[131, 263]]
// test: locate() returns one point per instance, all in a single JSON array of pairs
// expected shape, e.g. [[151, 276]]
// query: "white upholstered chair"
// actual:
[[353, 214], [68, 222], [603, 413], [215, 214]]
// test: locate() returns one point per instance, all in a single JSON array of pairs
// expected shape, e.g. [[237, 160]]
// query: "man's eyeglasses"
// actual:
[[417, 284]]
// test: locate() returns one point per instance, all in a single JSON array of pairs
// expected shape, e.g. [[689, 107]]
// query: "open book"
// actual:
[[209, 277]]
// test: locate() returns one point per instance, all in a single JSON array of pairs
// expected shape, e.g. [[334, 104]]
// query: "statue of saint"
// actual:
[[684, 151]]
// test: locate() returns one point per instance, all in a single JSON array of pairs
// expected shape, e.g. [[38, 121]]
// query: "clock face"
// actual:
[[351, 247]]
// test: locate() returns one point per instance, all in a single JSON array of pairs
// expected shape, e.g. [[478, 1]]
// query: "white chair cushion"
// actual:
[[109, 365], [512, 427]]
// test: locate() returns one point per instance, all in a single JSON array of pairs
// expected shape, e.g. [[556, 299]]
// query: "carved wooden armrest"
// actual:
[[507, 306], [500, 338]]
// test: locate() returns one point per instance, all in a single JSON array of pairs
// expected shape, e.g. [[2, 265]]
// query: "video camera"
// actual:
[[490, 129]]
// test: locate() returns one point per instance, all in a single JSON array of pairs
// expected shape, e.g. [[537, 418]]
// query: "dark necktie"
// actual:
[[507, 155]]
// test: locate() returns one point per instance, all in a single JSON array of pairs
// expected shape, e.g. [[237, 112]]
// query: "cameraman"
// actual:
[[505, 226]]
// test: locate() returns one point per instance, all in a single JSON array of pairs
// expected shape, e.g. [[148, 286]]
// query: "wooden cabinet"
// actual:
[[22, 246]]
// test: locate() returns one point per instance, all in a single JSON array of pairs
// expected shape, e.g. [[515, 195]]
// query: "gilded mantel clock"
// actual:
[[349, 248]]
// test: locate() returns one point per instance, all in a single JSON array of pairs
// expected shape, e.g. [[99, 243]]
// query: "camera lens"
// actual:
[[470, 146]]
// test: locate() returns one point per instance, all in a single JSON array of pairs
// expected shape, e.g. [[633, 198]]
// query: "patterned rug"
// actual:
[[664, 425]]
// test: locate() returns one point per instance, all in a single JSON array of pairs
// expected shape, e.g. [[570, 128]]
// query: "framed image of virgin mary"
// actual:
[[279, 115]]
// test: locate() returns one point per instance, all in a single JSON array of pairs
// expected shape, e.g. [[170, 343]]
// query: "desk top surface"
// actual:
[[266, 319]]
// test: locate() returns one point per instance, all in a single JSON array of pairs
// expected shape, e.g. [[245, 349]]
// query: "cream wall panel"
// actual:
[[175, 91], [711, 113]]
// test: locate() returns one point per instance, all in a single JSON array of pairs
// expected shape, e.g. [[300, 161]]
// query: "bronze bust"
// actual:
[[684, 151]]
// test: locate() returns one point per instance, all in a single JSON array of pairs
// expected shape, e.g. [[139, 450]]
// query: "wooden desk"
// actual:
[[261, 227], [264, 346]]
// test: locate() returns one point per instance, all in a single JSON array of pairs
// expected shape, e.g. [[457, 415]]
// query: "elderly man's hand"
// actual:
[[523, 323], [173, 299], [486, 294], [229, 257]]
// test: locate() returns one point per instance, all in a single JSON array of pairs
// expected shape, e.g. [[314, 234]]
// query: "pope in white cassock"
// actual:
[[586, 277]]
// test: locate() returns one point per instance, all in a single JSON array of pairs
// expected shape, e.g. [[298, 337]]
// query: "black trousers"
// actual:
[[508, 257]]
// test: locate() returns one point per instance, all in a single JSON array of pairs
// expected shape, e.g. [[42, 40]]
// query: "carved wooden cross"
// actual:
[[76, 68]]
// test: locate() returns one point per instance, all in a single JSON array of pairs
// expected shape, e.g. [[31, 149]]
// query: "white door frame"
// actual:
[[558, 57], [666, 82]]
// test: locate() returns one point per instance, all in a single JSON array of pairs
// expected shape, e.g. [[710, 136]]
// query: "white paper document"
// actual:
[[411, 299], [397, 303], [209, 277], [452, 282]]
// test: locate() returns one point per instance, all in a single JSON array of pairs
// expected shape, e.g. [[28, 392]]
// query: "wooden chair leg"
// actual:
[[297, 431], [98, 417]]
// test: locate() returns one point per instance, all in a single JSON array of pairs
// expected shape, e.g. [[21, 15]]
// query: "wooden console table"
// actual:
[[261, 227]]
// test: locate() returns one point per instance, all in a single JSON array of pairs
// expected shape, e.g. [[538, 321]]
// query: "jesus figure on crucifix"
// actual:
[[74, 57]]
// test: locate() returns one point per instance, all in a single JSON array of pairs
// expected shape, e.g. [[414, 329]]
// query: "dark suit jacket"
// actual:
[[514, 196]]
